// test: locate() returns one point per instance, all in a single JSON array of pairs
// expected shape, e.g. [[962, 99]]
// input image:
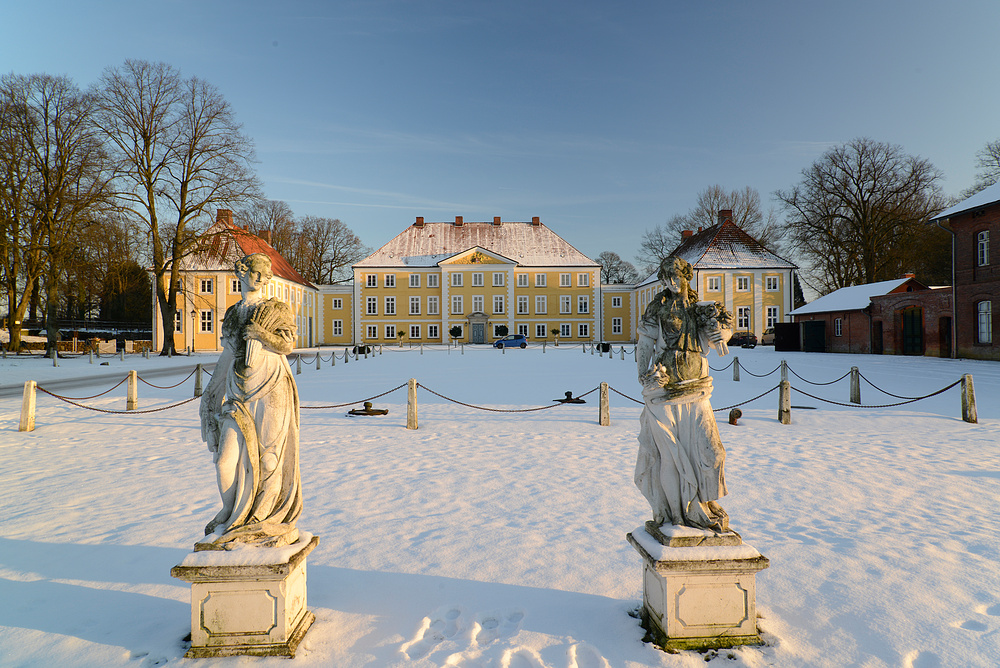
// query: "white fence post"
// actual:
[[411, 404], [317, 360], [969, 400], [855, 385], [784, 371], [198, 381], [604, 419], [298, 364], [785, 402], [132, 401], [736, 368], [28, 407]]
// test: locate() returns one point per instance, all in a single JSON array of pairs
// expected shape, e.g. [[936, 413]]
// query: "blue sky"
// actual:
[[602, 118]]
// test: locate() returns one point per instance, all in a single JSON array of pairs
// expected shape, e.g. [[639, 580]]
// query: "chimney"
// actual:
[[724, 216], [700, 228], [224, 216], [909, 276], [458, 221], [266, 236], [686, 234], [420, 222], [536, 221], [496, 221]]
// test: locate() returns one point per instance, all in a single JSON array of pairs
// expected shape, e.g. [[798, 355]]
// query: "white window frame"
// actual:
[[772, 284], [565, 304], [433, 332], [522, 305], [540, 331], [338, 303], [541, 305], [984, 321], [565, 330], [838, 326], [390, 306], [583, 280], [372, 306], [372, 332], [540, 280], [498, 279], [414, 331], [477, 279], [983, 248], [371, 281], [583, 304], [713, 283], [234, 286], [178, 321], [207, 320], [414, 305], [432, 280], [414, 280], [457, 305], [522, 280], [390, 280], [772, 316], [616, 302], [433, 305], [478, 304], [456, 280], [565, 280], [743, 315], [496, 334], [616, 325], [338, 327], [390, 332], [498, 304], [742, 284], [583, 330], [523, 330], [207, 286]]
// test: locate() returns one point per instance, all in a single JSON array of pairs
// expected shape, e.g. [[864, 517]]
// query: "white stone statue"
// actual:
[[681, 458], [250, 419]]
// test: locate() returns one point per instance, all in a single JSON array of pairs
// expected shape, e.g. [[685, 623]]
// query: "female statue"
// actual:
[[681, 459], [250, 419]]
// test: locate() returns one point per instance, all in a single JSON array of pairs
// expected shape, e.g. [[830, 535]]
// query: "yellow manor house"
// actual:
[[441, 282]]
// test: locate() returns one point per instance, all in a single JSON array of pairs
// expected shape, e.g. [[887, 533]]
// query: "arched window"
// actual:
[[984, 315], [983, 248]]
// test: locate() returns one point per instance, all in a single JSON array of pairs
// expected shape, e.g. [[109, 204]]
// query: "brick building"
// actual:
[[976, 272]]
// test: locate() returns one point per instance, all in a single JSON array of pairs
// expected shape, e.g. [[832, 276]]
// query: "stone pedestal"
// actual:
[[248, 601], [698, 588]]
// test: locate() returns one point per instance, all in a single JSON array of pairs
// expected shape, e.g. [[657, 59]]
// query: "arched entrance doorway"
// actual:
[[913, 330]]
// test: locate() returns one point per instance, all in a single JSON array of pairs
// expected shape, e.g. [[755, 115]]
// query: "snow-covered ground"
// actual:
[[498, 539]]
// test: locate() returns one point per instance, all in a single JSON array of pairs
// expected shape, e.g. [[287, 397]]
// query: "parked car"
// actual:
[[511, 341], [767, 338], [743, 340]]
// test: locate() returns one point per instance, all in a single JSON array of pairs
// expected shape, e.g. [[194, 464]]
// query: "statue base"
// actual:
[[248, 601], [698, 594]]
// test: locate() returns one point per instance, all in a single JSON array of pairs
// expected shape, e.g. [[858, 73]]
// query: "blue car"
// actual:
[[511, 341]]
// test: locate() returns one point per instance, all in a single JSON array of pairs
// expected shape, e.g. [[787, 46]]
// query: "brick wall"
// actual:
[[974, 282], [934, 316]]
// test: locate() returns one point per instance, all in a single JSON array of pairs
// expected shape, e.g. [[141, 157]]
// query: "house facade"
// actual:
[[208, 286], [975, 227], [731, 267], [462, 281]]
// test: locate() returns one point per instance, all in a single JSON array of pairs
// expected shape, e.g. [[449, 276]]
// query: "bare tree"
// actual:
[[67, 176], [273, 218], [988, 163], [616, 270], [748, 214], [855, 214], [325, 250], [181, 154]]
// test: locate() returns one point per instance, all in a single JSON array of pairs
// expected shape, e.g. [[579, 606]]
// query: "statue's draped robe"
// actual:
[[262, 404], [681, 459]]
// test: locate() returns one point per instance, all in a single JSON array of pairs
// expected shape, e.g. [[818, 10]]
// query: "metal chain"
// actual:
[[902, 403], [624, 395], [83, 398], [104, 410], [731, 362], [763, 376], [351, 403], [168, 387], [897, 396], [812, 383], [726, 408], [495, 410]]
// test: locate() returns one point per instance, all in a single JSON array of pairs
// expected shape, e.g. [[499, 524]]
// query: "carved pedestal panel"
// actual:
[[701, 596], [249, 601]]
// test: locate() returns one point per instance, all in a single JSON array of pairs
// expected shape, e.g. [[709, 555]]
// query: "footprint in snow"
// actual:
[[973, 625], [521, 658], [444, 623], [585, 656], [917, 659], [493, 625]]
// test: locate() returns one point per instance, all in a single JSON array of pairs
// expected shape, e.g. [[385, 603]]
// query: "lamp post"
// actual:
[[194, 314]]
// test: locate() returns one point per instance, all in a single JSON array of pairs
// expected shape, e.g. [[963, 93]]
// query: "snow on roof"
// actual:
[[726, 246], [527, 244], [853, 298], [989, 195], [224, 243]]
